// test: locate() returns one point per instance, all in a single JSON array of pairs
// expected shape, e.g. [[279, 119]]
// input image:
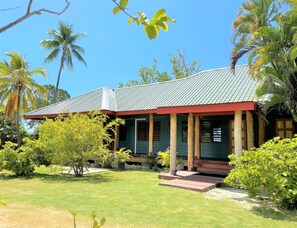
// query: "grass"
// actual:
[[125, 199]]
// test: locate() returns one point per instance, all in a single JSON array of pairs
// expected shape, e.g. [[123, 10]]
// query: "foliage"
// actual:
[[152, 27], [17, 160], [267, 33], [63, 43], [270, 170], [150, 162], [18, 89], [52, 98], [95, 222], [105, 159], [179, 69], [122, 156], [8, 130], [164, 158], [76, 139]]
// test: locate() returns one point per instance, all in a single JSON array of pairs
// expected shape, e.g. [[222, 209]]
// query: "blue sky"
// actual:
[[115, 50]]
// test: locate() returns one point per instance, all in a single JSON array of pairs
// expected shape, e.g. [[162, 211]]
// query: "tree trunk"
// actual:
[[59, 76], [18, 118]]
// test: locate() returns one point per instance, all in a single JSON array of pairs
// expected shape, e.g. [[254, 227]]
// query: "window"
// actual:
[[284, 128], [123, 133], [211, 131], [184, 131], [143, 131]]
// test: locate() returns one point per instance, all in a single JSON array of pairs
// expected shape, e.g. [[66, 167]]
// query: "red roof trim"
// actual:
[[136, 112], [213, 108]]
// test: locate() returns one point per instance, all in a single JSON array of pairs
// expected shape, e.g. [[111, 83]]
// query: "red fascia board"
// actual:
[[136, 112], [228, 107]]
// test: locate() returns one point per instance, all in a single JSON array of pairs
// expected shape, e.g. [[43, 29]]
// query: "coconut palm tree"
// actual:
[[63, 43], [253, 15], [272, 49], [17, 87]]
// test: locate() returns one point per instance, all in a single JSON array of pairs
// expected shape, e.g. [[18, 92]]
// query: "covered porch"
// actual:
[[203, 136]]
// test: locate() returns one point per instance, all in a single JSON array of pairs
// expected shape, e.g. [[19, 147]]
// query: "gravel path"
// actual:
[[237, 195]]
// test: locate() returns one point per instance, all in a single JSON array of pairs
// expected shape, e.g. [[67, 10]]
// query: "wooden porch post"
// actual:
[[250, 130], [197, 137], [261, 130], [173, 130], [190, 142], [151, 134], [238, 133], [116, 137]]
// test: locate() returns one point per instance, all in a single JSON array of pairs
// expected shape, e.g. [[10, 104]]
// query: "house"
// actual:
[[202, 118]]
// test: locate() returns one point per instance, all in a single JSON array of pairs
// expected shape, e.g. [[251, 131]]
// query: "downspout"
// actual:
[[135, 138]]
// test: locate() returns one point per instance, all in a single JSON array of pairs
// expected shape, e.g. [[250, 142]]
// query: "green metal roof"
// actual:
[[216, 86]]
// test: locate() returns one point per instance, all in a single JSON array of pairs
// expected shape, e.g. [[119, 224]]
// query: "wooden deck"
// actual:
[[191, 181]]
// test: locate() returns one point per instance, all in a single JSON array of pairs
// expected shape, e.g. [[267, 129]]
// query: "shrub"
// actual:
[[270, 170], [75, 139], [122, 156], [17, 160], [164, 159]]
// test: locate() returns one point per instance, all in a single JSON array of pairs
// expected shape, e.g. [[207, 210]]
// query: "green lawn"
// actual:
[[125, 199]]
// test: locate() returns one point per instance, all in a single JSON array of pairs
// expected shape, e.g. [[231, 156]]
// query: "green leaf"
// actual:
[[160, 13], [123, 3], [167, 19], [130, 20], [102, 222], [151, 31], [116, 10], [163, 25]]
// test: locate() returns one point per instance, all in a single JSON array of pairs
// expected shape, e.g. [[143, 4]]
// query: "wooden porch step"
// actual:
[[212, 167], [194, 182], [213, 171]]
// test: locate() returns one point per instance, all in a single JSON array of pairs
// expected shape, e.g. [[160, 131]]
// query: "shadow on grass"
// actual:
[[90, 178], [267, 211]]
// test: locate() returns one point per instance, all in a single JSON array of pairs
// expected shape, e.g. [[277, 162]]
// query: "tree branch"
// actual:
[[12, 8], [36, 12], [123, 10]]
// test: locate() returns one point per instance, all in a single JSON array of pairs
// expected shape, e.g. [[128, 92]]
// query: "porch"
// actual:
[[202, 140]]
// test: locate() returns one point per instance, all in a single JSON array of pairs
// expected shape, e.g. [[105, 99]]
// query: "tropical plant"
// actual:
[[122, 156], [164, 158], [77, 138], [269, 37], [17, 87], [269, 170], [8, 130], [63, 43]]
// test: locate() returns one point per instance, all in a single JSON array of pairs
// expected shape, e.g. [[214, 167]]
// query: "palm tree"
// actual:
[[253, 15], [17, 87], [269, 38], [63, 43]]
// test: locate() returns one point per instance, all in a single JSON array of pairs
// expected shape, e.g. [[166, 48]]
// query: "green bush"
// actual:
[[122, 156], [164, 159], [270, 170], [150, 162], [17, 160]]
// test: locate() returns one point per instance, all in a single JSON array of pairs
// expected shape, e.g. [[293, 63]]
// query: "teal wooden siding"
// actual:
[[218, 150], [142, 146], [208, 150]]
